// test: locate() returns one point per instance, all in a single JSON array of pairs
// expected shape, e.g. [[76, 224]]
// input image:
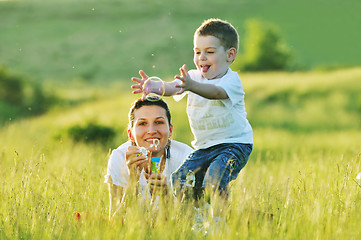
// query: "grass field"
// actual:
[[299, 182], [91, 41]]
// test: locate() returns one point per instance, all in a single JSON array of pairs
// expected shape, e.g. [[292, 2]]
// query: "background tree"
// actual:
[[264, 48]]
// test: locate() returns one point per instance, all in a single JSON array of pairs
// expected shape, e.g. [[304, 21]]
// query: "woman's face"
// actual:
[[151, 122]]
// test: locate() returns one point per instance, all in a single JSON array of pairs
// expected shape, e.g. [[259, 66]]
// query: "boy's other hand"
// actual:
[[186, 80], [140, 81]]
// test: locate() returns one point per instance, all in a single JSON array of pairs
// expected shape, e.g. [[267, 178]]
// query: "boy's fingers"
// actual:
[[184, 68], [136, 86], [142, 74], [137, 91], [138, 80]]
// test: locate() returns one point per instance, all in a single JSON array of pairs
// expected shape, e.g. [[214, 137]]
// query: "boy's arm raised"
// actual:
[[205, 90], [170, 88]]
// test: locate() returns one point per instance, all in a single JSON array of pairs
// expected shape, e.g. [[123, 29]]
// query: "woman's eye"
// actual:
[[159, 122], [142, 123]]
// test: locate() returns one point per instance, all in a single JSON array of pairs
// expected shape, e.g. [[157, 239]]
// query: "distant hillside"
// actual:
[[101, 41], [290, 102]]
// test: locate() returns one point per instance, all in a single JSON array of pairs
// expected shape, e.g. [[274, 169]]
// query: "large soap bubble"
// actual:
[[153, 88]]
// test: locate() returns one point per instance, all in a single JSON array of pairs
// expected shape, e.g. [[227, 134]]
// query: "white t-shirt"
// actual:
[[117, 171], [218, 121]]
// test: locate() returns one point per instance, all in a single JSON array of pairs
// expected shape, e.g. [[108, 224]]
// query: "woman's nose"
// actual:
[[152, 130]]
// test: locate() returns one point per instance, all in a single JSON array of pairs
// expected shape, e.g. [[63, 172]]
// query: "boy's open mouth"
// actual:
[[204, 68]]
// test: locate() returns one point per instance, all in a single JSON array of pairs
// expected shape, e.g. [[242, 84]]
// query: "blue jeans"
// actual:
[[212, 167]]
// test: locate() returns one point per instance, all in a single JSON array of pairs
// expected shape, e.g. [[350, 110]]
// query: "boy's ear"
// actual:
[[231, 55]]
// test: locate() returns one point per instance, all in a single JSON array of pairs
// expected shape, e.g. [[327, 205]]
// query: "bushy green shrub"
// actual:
[[264, 48], [21, 97], [91, 133], [11, 87]]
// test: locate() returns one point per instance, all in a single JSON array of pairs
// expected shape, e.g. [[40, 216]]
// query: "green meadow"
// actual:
[[298, 184], [300, 181]]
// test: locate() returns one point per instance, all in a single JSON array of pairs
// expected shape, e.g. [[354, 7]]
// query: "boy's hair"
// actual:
[[220, 29], [140, 103]]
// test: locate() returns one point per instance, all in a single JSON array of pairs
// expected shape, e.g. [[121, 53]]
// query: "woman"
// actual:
[[149, 127]]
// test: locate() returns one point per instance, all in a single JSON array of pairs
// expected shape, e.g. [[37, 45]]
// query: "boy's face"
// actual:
[[210, 57]]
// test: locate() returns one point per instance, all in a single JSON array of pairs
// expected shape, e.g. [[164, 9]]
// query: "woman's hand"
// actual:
[[157, 183], [135, 162], [140, 81]]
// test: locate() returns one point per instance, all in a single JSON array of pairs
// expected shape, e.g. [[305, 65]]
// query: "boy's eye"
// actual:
[[210, 52]]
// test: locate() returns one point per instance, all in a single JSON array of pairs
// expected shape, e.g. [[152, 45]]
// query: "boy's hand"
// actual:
[[139, 86], [187, 82]]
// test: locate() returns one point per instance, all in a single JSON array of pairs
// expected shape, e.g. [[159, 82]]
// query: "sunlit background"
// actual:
[[65, 69]]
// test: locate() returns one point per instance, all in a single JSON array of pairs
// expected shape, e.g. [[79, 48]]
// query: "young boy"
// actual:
[[223, 137]]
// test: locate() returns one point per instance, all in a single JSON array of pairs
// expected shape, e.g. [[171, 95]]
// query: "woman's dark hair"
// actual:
[[140, 103]]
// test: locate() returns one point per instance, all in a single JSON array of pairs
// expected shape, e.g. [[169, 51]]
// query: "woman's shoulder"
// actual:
[[178, 153], [179, 144], [122, 148], [181, 147]]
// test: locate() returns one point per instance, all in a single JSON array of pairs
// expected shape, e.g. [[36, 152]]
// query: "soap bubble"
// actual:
[[153, 88]]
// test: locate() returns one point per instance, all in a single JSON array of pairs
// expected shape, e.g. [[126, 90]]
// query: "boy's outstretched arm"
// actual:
[[205, 90], [170, 88]]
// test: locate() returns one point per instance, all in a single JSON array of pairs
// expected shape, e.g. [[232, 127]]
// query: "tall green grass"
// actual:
[[298, 184]]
